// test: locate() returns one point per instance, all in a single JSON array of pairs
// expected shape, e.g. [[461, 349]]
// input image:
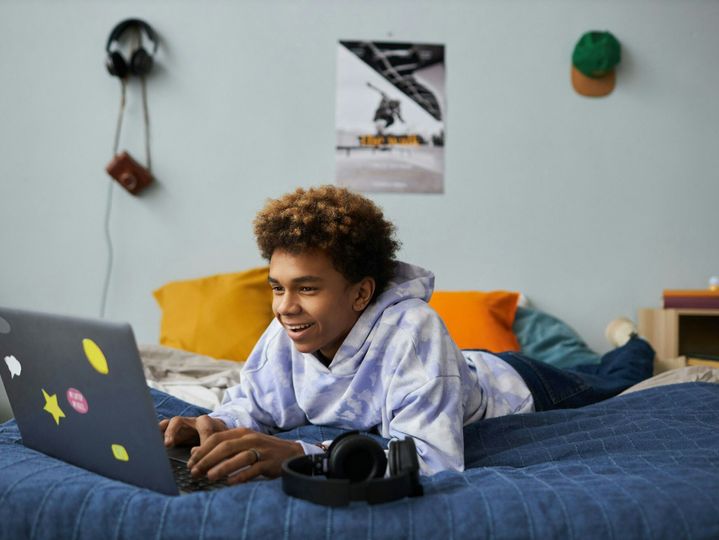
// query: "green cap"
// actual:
[[596, 54]]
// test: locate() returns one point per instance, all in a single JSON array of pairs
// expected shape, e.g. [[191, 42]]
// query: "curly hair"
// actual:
[[346, 226]]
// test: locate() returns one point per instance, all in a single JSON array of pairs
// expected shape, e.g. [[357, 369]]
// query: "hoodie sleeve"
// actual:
[[265, 398], [432, 416], [425, 395]]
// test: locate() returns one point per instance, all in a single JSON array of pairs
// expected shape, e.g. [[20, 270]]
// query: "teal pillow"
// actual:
[[550, 340]]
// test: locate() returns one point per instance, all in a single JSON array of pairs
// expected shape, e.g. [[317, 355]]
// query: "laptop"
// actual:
[[77, 390]]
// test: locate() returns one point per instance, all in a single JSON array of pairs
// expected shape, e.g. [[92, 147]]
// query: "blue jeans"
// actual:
[[554, 388]]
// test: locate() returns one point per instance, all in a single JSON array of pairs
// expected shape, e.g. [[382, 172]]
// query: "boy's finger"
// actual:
[[213, 452], [245, 474], [204, 427], [172, 430], [227, 462]]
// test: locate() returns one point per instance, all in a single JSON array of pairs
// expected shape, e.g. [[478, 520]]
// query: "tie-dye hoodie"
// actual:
[[397, 372]]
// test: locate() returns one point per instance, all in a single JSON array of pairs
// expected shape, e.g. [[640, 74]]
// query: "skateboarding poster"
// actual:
[[390, 114]]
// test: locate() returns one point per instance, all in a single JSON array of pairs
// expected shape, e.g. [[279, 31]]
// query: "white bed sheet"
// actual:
[[197, 379]]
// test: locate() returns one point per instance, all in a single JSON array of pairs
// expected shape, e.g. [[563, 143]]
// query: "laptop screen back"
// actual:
[[78, 392]]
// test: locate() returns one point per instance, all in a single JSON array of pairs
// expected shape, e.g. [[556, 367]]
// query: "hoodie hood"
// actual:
[[409, 282]]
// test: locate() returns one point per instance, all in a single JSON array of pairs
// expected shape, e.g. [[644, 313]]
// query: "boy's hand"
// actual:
[[184, 430], [240, 455]]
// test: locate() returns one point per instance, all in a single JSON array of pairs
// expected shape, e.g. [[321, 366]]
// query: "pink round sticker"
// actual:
[[76, 400]]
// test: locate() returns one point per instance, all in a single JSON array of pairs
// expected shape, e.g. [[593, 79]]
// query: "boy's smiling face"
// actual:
[[315, 303]]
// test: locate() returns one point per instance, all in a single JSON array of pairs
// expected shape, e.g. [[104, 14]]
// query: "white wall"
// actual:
[[590, 207]]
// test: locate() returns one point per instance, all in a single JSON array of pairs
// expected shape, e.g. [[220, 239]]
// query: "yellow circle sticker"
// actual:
[[95, 356]]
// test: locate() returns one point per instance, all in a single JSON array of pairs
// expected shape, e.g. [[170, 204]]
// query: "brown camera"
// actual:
[[129, 173]]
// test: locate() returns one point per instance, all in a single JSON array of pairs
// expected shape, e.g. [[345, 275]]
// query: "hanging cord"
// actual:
[[146, 120], [108, 203], [145, 109], [120, 115]]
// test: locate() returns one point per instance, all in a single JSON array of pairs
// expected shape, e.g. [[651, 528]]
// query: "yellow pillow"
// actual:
[[221, 316], [479, 320]]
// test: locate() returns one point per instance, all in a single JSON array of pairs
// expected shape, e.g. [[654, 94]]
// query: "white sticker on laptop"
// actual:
[[76, 400], [13, 364]]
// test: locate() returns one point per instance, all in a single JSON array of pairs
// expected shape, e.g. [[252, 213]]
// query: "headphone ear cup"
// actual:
[[403, 457], [393, 458], [141, 62], [357, 458], [116, 65]]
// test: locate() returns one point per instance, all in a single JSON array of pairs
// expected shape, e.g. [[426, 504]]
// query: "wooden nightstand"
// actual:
[[681, 336]]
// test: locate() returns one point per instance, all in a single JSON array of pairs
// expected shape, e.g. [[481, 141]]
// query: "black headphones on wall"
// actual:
[[141, 61], [353, 469]]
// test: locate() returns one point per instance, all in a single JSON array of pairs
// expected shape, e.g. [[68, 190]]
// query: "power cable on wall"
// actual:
[[108, 203]]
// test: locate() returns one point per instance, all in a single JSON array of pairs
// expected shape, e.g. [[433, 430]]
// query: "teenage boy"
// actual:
[[355, 345]]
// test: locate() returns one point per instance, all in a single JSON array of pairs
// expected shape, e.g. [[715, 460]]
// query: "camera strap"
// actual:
[[145, 117]]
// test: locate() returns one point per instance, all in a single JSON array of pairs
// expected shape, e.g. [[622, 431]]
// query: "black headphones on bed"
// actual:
[[141, 61], [353, 469]]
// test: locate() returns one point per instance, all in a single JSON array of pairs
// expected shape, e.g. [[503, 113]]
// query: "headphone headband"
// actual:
[[123, 26], [337, 492], [304, 477]]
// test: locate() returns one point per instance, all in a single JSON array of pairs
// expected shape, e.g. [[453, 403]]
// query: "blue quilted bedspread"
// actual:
[[644, 465]]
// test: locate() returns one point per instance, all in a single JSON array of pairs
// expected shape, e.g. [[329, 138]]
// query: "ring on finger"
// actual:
[[257, 454]]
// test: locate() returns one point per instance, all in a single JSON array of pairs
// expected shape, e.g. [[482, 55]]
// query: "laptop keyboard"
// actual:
[[186, 482]]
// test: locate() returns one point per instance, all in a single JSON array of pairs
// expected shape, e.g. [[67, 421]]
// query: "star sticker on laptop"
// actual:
[[52, 406]]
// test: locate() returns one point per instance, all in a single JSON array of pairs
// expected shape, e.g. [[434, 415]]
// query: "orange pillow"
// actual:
[[221, 316], [479, 320]]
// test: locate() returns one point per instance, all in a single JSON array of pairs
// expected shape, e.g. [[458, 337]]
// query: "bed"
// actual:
[[641, 465]]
